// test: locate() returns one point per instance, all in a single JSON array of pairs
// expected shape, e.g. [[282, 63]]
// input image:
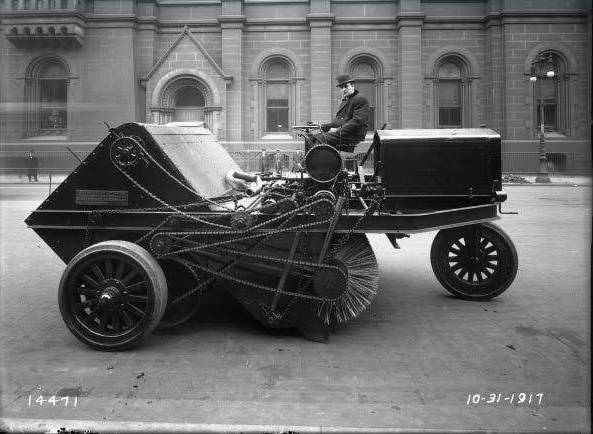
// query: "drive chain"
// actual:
[[226, 230]]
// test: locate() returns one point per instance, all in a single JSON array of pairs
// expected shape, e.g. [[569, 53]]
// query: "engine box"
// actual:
[[437, 168]]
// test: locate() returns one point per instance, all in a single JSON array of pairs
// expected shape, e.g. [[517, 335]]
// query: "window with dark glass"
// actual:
[[365, 83], [189, 97], [53, 93], [277, 97], [449, 96], [547, 93], [549, 100], [189, 105]]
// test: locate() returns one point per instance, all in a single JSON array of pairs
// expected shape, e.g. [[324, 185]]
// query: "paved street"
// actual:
[[411, 362]]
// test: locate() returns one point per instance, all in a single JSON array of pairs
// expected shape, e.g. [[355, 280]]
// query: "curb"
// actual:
[[66, 425]]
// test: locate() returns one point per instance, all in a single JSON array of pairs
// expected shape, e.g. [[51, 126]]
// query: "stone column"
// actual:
[[320, 21], [495, 111], [232, 23], [410, 19]]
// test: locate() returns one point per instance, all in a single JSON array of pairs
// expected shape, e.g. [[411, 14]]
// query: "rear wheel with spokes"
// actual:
[[474, 262], [112, 295]]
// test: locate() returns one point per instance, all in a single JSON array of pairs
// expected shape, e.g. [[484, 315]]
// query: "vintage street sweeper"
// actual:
[[158, 213]]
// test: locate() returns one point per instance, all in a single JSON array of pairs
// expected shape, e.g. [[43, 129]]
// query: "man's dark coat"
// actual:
[[31, 162], [352, 119]]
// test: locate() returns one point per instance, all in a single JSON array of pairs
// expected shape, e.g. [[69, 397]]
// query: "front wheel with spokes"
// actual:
[[476, 262], [112, 295]]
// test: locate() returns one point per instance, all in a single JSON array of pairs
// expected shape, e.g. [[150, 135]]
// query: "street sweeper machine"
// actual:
[[157, 214]]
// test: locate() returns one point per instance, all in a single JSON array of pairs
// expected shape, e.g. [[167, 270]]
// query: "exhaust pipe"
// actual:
[[244, 182]]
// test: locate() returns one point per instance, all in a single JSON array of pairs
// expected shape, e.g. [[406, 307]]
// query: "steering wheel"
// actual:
[[307, 127]]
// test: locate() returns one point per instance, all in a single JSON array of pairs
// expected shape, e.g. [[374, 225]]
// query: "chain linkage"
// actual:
[[264, 237], [226, 267], [345, 238], [314, 266], [224, 230]]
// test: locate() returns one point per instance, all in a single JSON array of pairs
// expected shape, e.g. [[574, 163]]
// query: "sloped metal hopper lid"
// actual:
[[196, 153]]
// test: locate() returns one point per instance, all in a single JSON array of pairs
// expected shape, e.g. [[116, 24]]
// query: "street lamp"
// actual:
[[542, 62]]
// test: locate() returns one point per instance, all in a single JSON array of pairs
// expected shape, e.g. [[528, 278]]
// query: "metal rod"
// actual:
[[331, 229], [72, 152], [364, 205], [282, 281]]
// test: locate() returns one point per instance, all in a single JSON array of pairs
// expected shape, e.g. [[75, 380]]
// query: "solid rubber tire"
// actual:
[[158, 287]]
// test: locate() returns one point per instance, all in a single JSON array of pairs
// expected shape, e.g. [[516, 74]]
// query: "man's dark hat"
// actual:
[[343, 79]]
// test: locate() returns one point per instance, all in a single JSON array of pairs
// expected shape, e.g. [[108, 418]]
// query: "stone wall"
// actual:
[[127, 47]]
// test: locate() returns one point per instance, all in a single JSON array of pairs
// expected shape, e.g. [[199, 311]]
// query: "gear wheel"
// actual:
[[241, 220], [126, 151], [161, 244], [323, 208]]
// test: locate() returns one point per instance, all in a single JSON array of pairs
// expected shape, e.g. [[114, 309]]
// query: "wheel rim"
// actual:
[[475, 262], [473, 265], [109, 297]]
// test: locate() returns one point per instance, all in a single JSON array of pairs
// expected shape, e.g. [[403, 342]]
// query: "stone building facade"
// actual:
[[253, 68]]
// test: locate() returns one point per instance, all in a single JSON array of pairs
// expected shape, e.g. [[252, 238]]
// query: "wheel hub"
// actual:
[[113, 296], [109, 296]]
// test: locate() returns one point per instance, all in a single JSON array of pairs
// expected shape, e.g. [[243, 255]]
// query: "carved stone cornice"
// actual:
[[45, 30]]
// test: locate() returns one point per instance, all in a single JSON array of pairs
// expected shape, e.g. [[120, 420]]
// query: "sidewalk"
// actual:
[[22, 179], [555, 180]]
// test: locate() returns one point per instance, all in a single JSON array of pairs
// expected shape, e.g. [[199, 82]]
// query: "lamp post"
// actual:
[[542, 62]]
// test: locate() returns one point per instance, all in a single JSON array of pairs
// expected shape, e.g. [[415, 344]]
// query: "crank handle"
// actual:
[[500, 211]]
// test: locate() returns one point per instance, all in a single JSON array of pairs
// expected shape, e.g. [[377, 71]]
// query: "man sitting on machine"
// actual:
[[351, 123]]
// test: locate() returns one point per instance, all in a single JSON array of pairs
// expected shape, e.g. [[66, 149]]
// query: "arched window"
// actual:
[[47, 96], [189, 104], [275, 94], [53, 84], [453, 91], [550, 92], [277, 79], [367, 71], [185, 98], [449, 96], [364, 71]]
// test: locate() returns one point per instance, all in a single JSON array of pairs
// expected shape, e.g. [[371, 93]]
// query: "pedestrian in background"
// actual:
[[32, 164]]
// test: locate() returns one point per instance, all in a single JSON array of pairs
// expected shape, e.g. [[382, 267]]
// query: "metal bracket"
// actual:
[[393, 237], [500, 211]]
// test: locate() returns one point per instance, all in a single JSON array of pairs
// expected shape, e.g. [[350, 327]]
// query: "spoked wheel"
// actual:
[[474, 262], [112, 295]]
